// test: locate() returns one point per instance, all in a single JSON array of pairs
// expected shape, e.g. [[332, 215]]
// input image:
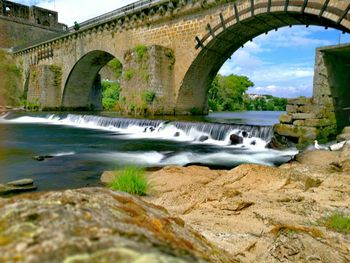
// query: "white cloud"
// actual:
[[283, 91], [298, 37]]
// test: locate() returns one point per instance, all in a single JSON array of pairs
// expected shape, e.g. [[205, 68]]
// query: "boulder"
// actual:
[[8, 189], [97, 225], [203, 138], [41, 158], [236, 139], [21, 182]]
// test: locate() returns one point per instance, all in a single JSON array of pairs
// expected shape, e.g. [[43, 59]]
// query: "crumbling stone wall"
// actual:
[[324, 115]]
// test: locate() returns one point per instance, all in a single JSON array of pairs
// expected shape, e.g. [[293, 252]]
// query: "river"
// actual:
[[81, 146]]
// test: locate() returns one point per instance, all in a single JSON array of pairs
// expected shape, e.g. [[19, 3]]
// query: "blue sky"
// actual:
[[280, 63]]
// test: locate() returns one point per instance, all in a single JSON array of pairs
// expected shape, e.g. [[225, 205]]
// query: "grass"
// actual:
[[130, 180], [338, 222]]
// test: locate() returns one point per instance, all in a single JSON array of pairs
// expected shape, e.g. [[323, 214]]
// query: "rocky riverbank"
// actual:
[[252, 213], [265, 214], [97, 225]]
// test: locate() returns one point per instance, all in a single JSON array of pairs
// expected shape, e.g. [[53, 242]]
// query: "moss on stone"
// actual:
[[10, 76]]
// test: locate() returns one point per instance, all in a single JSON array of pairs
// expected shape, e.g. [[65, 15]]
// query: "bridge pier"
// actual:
[[44, 86], [324, 115], [148, 81]]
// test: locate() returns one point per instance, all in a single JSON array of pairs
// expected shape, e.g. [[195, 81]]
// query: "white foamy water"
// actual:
[[194, 133]]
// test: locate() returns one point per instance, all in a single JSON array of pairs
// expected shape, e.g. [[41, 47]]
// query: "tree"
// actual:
[[226, 93]]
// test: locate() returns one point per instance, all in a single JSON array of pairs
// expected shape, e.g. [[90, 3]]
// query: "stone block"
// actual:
[[346, 130], [308, 133], [314, 122], [292, 108], [300, 101], [343, 137], [285, 118], [303, 116]]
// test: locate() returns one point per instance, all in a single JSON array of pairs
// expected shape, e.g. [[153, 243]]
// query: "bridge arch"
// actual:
[[82, 90], [249, 20]]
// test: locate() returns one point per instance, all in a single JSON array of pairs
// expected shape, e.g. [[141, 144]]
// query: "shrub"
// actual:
[[110, 94], [149, 96], [130, 180], [129, 74], [116, 66], [140, 51], [338, 222]]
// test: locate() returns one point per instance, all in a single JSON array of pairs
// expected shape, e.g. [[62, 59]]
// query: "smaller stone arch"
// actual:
[[82, 89]]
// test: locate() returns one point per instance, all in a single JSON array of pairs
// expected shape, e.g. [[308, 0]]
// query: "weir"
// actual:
[[215, 131]]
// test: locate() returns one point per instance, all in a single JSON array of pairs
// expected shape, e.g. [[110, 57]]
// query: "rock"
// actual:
[[308, 133], [303, 116], [22, 182], [8, 189], [343, 137], [41, 158], [107, 177], [245, 134], [235, 206], [177, 134], [300, 101], [97, 225], [286, 118], [236, 139], [279, 142], [312, 183], [346, 130], [203, 138]]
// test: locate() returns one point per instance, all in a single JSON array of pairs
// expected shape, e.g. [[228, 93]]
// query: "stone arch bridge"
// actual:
[[172, 48]]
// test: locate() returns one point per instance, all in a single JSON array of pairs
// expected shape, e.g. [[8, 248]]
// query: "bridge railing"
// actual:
[[119, 12]]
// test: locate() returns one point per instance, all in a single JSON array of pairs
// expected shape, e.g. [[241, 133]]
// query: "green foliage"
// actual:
[[266, 103], [129, 74], [141, 51], [116, 66], [32, 106], [130, 180], [338, 222], [325, 134], [149, 96], [195, 111], [226, 92], [110, 94]]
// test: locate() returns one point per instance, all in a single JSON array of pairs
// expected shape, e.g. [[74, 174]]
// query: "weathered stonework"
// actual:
[[44, 86], [147, 81], [328, 111]]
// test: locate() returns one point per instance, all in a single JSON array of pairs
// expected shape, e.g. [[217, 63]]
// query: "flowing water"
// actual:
[[80, 147]]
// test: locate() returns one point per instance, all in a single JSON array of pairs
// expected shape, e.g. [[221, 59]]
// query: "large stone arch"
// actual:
[[250, 19], [82, 89]]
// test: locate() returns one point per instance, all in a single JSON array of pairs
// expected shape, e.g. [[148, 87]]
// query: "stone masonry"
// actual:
[[202, 35], [324, 115]]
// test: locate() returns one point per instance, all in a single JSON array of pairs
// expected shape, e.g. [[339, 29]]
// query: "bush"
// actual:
[[110, 94], [149, 97], [141, 51], [130, 180], [338, 222]]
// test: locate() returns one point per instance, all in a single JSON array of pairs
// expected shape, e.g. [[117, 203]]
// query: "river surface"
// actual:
[[82, 146]]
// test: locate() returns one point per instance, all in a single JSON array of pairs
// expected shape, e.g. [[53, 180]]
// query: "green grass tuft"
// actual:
[[130, 180], [338, 222]]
